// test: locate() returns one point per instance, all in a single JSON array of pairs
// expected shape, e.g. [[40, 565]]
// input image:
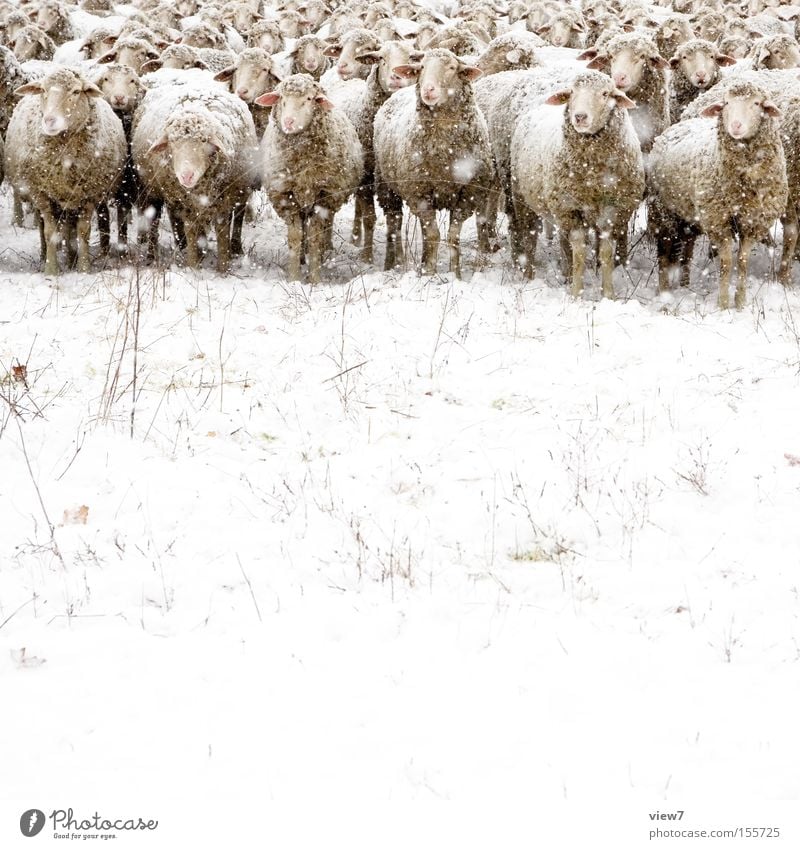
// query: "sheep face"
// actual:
[[392, 55], [188, 148], [590, 102], [740, 114], [94, 48], [49, 17], [186, 8], [134, 53], [440, 77], [314, 12], [628, 67], [32, 43], [561, 29], [700, 63], [251, 76], [120, 86], [309, 56], [241, 17], [202, 35], [65, 101], [781, 55], [267, 36], [505, 57], [295, 103], [291, 24], [346, 52]]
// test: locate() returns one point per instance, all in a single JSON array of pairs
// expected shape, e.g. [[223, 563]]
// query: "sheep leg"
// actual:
[[68, 222], [50, 232], [237, 221], [687, 252], [606, 253], [327, 230], [191, 234], [178, 229], [83, 230], [392, 207], [523, 229], [317, 230], [457, 218], [223, 230], [356, 235], [621, 253], [155, 219], [577, 241], [430, 239], [566, 250], [367, 221], [19, 216], [725, 251], [123, 217], [745, 246], [789, 222], [295, 242], [104, 227]]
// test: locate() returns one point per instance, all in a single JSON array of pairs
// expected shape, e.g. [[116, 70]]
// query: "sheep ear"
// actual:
[[158, 146], [268, 99], [623, 101], [598, 63], [723, 60], [150, 66], [323, 102], [771, 109], [216, 143], [559, 98], [91, 90], [28, 88], [674, 62], [224, 75], [334, 50], [407, 72], [109, 57], [711, 111], [543, 30], [151, 54], [469, 72], [591, 53], [371, 58], [199, 63], [658, 62]]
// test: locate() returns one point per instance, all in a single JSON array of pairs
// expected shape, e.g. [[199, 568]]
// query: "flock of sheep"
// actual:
[[565, 115]]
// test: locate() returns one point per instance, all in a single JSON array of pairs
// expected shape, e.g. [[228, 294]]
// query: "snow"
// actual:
[[394, 539]]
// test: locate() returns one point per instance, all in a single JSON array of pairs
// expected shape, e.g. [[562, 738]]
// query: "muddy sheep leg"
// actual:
[[83, 230], [430, 239], [295, 242], [745, 247]]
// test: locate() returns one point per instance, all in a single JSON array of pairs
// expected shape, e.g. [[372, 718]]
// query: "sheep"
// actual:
[[639, 71], [122, 90], [99, 41], [308, 57], [202, 35], [502, 98], [133, 52], [432, 151], [312, 163], [12, 24], [65, 149], [512, 51], [53, 17], [781, 88], [775, 52], [176, 57], [240, 16], [267, 35], [710, 25], [194, 149], [347, 47], [291, 24], [459, 39], [252, 74], [32, 42], [565, 29], [723, 178], [695, 67], [381, 84], [584, 169], [671, 33], [734, 46]]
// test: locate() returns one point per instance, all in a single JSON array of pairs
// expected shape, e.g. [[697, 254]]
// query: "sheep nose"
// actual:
[[119, 99], [701, 78], [187, 177], [288, 123], [343, 68], [736, 127], [621, 79], [243, 92], [580, 117]]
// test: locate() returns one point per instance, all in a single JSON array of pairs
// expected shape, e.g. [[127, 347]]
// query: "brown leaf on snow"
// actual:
[[21, 659], [76, 515], [792, 459], [20, 374]]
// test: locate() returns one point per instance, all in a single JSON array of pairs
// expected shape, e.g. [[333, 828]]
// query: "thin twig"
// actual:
[[250, 587]]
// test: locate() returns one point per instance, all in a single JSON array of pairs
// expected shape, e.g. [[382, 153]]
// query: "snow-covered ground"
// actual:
[[395, 538]]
